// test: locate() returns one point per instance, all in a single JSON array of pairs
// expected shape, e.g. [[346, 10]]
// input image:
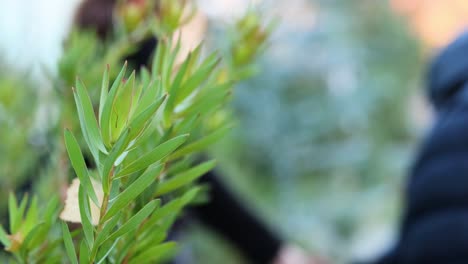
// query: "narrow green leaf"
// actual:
[[104, 90], [85, 214], [47, 255], [114, 189], [107, 110], [136, 220], [35, 237], [52, 258], [132, 191], [94, 151], [16, 225], [180, 75], [155, 155], [103, 258], [32, 215], [121, 107], [179, 166], [51, 211], [90, 124], [169, 63], [194, 58], [156, 253], [84, 252], [172, 207], [38, 235], [4, 238], [116, 151], [184, 178], [22, 206], [123, 250], [187, 124], [156, 68], [152, 237], [190, 195], [200, 144], [137, 91], [176, 84], [208, 100], [79, 165], [145, 77], [149, 95], [196, 80], [150, 134], [103, 235], [145, 196], [139, 122], [69, 247], [167, 222], [12, 212]]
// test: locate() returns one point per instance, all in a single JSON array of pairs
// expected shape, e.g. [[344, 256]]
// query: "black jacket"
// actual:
[[435, 222]]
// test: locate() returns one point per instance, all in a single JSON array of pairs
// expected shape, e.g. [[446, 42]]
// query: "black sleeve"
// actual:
[[435, 225], [435, 222], [226, 215]]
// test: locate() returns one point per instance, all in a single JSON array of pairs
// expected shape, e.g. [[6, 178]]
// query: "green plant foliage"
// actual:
[[29, 239], [249, 38], [129, 139], [19, 155], [128, 177]]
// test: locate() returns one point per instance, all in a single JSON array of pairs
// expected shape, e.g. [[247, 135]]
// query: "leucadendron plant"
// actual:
[[140, 138], [134, 163]]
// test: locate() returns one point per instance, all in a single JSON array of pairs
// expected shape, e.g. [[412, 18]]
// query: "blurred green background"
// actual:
[[325, 132]]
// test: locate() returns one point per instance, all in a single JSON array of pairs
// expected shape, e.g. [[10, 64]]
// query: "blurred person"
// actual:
[[435, 222]]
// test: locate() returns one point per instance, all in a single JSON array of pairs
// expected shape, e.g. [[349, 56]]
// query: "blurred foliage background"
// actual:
[[19, 153], [324, 134], [325, 131]]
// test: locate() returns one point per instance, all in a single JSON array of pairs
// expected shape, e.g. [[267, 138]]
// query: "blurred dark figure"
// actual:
[[435, 222], [96, 15]]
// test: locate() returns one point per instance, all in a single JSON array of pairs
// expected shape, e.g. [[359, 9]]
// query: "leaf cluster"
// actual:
[[133, 158]]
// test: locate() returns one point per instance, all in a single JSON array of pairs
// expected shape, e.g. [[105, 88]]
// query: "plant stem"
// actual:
[[105, 203], [102, 212]]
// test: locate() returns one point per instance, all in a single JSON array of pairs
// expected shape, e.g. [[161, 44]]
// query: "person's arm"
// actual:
[[226, 215], [435, 223]]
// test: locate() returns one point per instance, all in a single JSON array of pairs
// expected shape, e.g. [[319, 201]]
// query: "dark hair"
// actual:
[[96, 15]]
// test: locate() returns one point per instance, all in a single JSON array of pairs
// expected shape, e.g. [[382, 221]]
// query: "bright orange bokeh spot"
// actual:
[[437, 22]]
